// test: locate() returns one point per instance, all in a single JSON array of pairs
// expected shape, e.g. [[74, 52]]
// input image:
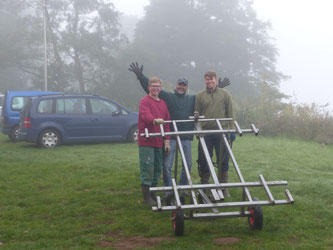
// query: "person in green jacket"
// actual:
[[180, 106], [214, 102]]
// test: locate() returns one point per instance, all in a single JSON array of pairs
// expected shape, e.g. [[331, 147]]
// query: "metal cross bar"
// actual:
[[223, 214], [220, 185], [233, 159], [196, 132], [268, 192], [210, 166], [207, 200], [238, 129], [225, 205], [181, 150], [174, 186]]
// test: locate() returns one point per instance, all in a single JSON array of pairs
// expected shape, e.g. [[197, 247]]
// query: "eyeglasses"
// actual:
[[155, 86]]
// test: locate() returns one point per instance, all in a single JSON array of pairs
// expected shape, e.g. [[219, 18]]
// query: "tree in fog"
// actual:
[[83, 40], [15, 35], [189, 37], [85, 37]]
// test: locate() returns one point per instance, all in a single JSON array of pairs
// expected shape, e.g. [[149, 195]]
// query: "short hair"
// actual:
[[155, 79], [210, 74]]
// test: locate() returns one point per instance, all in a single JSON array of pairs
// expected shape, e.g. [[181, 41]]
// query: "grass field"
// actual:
[[88, 196]]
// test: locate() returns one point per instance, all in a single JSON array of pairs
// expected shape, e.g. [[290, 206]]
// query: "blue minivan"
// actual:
[[52, 120], [12, 104]]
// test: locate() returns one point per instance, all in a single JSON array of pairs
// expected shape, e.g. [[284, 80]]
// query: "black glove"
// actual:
[[134, 67], [224, 83]]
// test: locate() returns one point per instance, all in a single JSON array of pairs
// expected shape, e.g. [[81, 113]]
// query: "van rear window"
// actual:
[[18, 102]]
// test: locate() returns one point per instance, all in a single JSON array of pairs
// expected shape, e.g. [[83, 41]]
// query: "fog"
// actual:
[[304, 38], [90, 53]]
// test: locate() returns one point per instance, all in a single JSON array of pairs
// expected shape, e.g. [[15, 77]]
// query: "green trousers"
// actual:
[[151, 160]]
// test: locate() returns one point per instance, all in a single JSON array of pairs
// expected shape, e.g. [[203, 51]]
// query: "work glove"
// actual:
[[232, 137], [158, 121], [167, 146], [134, 67], [224, 83]]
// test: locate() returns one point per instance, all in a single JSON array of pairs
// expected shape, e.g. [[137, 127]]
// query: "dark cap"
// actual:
[[182, 80]]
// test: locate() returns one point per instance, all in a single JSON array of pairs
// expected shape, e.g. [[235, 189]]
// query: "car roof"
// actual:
[[30, 93], [69, 95]]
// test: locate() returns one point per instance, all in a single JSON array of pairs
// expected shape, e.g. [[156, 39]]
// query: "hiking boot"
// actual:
[[147, 199]]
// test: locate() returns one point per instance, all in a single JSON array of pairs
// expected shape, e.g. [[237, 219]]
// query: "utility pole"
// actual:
[[45, 47]]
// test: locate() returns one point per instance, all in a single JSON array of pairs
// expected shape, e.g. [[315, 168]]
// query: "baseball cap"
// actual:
[[182, 80]]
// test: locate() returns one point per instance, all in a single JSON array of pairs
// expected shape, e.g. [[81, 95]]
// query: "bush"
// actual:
[[275, 118]]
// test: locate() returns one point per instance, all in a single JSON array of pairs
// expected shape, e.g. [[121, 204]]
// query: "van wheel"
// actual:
[[49, 138], [14, 134], [133, 134]]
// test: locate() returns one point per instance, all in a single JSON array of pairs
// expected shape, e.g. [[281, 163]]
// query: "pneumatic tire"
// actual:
[[255, 218], [178, 222]]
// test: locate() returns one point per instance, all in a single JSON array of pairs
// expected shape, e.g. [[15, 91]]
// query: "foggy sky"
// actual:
[[304, 37]]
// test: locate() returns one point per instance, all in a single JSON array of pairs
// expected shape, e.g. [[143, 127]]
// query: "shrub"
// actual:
[[275, 118]]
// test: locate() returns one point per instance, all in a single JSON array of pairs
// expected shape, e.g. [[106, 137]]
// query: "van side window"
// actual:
[[45, 106], [60, 106], [75, 106], [102, 107]]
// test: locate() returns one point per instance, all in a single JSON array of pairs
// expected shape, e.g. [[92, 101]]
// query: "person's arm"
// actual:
[[144, 81], [167, 146], [230, 110]]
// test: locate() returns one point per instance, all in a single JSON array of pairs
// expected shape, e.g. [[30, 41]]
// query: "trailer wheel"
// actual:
[[178, 222], [255, 219]]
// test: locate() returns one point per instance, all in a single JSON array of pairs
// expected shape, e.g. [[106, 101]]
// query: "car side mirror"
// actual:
[[117, 112]]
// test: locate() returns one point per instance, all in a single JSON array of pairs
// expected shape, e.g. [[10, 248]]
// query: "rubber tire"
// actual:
[[53, 134], [256, 219], [178, 222], [133, 135], [13, 134]]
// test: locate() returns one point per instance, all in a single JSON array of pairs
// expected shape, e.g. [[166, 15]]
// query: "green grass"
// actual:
[[80, 196]]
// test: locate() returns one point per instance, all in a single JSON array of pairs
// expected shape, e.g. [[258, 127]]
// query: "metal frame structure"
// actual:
[[211, 194]]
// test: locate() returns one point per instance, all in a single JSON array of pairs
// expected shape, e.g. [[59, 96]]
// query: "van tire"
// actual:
[[14, 134], [49, 138]]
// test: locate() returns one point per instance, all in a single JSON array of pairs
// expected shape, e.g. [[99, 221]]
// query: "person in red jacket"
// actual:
[[152, 112]]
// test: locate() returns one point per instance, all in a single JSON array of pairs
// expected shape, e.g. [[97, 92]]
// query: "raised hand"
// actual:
[[134, 67], [224, 83]]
